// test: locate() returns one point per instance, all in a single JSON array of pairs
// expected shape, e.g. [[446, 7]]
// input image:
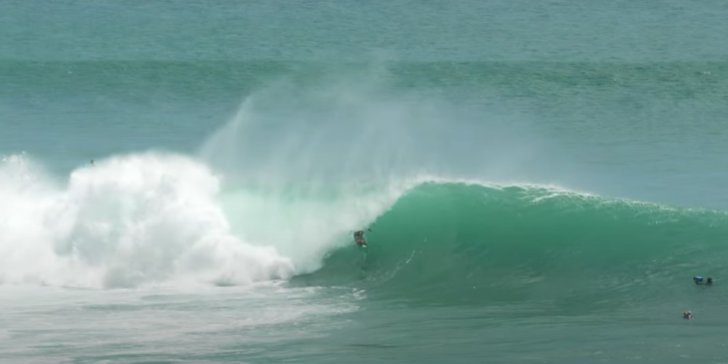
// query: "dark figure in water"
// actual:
[[359, 238], [699, 280]]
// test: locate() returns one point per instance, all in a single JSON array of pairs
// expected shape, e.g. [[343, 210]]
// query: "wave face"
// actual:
[[445, 242], [320, 152]]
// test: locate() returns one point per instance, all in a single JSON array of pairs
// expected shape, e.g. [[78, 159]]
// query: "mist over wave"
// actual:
[[357, 129], [307, 160]]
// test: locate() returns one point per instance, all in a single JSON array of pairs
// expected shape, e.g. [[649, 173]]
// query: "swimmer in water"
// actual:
[[699, 280]]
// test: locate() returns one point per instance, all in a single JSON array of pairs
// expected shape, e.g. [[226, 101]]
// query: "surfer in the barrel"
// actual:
[[359, 238]]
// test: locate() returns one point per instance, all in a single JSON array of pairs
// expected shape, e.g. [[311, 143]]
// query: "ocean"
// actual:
[[539, 181]]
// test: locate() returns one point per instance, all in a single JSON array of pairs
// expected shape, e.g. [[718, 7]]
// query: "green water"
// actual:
[[541, 180]]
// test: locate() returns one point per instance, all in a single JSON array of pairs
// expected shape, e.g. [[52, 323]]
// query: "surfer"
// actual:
[[687, 315], [359, 238]]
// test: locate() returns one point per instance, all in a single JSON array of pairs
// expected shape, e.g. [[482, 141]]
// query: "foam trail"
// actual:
[[126, 221]]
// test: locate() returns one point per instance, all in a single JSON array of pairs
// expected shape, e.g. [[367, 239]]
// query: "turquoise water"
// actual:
[[180, 182]]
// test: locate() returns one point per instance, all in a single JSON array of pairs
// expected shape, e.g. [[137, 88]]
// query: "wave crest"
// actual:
[[468, 242], [126, 221]]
